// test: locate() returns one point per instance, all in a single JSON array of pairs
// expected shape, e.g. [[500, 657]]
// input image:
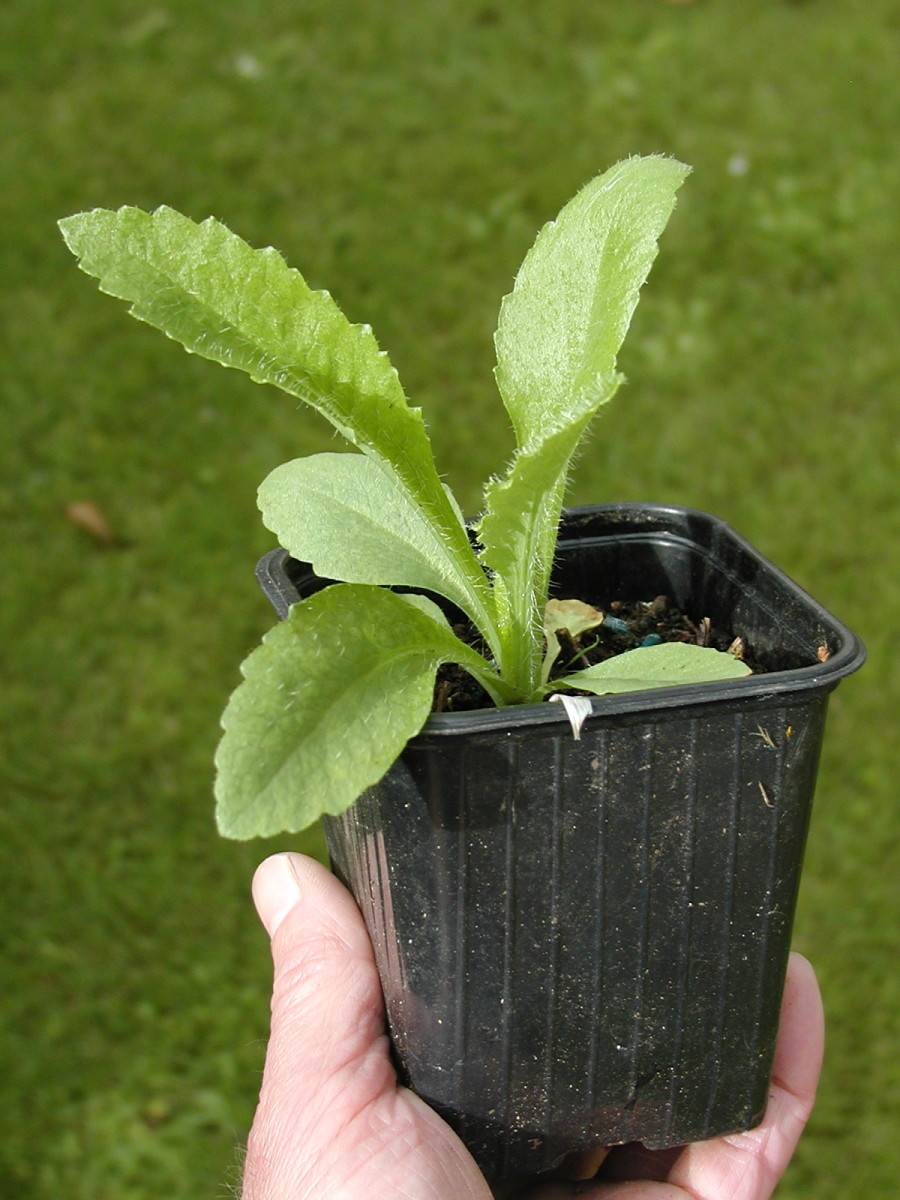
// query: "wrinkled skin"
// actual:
[[332, 1123]]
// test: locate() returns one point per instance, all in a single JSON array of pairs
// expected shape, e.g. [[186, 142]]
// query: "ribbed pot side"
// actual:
[[584, 942]]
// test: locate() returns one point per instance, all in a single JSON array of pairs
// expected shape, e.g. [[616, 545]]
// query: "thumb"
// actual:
[[328, 1053]]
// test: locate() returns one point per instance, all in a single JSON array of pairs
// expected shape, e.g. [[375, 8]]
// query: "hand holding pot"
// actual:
[[333, 1124]]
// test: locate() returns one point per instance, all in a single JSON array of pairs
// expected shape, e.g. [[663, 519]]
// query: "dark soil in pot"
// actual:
[[627, 625]]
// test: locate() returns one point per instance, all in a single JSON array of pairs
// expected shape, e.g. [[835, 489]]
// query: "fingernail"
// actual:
[[276, 889]]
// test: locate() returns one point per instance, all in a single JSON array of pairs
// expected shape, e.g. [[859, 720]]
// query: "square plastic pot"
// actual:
[[584, 943]]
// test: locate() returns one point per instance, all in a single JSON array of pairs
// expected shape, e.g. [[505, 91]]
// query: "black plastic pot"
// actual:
[[584, 942]]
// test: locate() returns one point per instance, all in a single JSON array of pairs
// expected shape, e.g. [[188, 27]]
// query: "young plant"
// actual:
[[335, 691]]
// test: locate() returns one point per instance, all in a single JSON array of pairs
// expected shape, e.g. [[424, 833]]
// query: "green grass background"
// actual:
[[404, 157]]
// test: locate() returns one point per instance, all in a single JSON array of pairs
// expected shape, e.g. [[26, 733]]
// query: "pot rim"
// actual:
[[847, 650]]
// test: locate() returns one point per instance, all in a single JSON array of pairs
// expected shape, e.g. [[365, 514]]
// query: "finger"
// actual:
[[326, 999], [634, 1161], [747, 1166], [327, 1056], [801, 1036], [637, 1189]]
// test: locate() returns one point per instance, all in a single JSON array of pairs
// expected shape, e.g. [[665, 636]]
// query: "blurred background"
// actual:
[[404, 157]]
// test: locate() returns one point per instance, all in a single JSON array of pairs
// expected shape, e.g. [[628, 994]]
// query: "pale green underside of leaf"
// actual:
[[668, 665], [207, 289], [561, 328], [327, 704], [346, 515]]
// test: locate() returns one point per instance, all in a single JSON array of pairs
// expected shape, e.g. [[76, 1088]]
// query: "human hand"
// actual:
[[332, 1123]]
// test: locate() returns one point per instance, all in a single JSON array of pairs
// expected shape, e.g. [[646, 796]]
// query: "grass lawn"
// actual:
[[404, 157]]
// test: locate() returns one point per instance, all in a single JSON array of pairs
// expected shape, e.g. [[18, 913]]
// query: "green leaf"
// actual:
[[559, 334], [328, 702], [562, 326], [346, 515], [205, 287], [518, 536], [667, 665]]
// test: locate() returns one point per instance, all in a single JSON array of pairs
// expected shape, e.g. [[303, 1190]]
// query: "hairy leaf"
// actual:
[[205, 287], [346, 515], [518, 537], [562, 326], [327, 703], [668, 665], [559, 334]]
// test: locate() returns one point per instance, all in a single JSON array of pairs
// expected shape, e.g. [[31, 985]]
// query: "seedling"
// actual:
[[335, 691]]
